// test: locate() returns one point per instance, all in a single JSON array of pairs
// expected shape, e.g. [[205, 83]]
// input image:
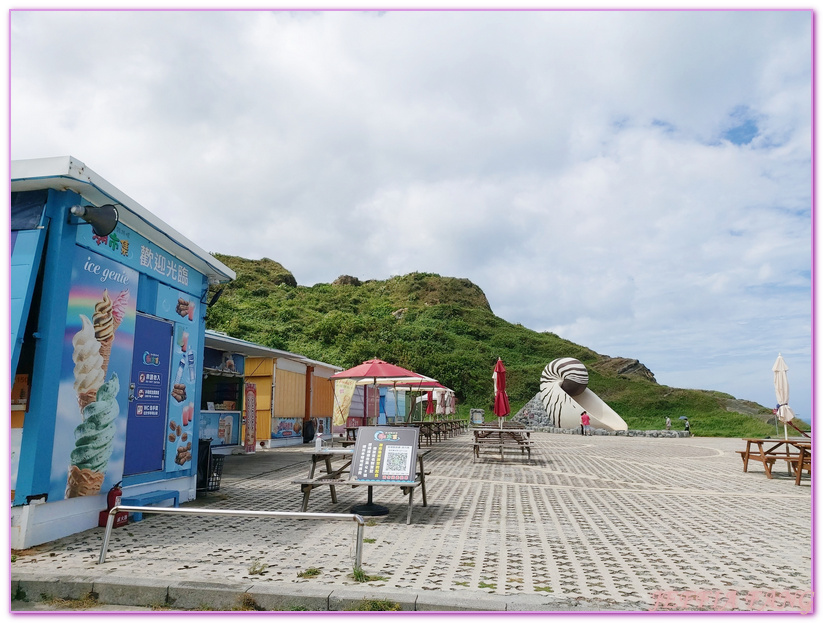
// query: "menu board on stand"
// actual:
[[385, 454]]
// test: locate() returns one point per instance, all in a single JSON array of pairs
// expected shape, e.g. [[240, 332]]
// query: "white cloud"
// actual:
[[575, 165]]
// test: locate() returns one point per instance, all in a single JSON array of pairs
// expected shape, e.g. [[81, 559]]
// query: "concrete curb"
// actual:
[[311, 598], [126, 591], [190, 595]]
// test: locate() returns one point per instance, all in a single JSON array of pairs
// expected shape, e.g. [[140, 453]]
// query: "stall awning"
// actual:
[[222, 341]]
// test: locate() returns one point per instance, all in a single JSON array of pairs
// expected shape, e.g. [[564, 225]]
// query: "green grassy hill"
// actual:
[[444, 327]]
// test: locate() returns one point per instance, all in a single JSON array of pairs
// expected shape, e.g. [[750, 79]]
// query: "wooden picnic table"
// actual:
[[803, 462], [767, 451], [500, 439], [428, 431], [333, 477], [506, 425], [435, 430]]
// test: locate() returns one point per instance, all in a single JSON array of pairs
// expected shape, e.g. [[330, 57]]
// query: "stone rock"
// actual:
[[346, 280], [623, 366]]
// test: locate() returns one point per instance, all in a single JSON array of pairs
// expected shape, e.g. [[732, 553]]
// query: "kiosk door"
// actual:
[[148, 395]]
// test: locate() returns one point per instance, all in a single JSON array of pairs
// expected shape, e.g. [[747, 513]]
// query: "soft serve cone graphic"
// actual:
[[88, 364], [93, 442], [104, 328]]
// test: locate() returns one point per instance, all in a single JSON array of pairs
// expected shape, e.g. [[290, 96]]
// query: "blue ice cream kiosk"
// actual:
[[107, 316]]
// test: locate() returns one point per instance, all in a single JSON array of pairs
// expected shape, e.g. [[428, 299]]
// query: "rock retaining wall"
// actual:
[[534, 416], [613, 433]]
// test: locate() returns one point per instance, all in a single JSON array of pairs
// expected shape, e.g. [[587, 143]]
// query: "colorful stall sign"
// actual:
[[385, 454], [182, 310], [92, 400], [251, 417], [130, 248], [323, 426], [343, 393], [223, 428], [287, 428]]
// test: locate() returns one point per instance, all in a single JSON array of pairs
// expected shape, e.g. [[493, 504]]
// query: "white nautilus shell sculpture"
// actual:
[[565, 395]]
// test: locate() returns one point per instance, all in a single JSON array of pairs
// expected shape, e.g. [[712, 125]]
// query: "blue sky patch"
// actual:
[[743, 133]]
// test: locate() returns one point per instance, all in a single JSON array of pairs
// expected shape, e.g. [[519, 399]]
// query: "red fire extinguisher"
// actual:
[[112, 498]]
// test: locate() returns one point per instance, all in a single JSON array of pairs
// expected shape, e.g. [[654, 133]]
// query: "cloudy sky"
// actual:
[[638, 182]]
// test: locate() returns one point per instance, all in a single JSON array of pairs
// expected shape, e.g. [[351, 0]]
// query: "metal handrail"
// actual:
[[358, 519]]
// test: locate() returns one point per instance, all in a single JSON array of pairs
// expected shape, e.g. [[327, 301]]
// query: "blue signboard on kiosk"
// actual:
[[148, 396]]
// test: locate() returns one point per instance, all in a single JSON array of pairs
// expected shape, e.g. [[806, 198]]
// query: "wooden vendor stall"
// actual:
[[293, 395]]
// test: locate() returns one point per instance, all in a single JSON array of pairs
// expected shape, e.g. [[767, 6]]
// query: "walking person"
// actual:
[[668, 423], [688, 428], [585, 428]]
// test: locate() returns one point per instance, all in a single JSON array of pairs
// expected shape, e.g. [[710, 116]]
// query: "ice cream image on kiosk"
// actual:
[[93, 442], [96, 398]]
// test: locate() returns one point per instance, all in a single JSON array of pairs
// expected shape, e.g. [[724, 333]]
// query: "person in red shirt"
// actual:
[[585, 424]]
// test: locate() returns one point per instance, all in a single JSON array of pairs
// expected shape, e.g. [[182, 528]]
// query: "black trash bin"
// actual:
[[209, 467], [215, 472], [308, 431]]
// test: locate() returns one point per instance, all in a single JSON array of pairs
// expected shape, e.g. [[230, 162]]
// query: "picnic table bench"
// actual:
[[342, 476], [501, 439], [769, 451]]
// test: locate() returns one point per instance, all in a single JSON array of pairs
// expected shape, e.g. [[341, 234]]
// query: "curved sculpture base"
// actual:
[[601, 414]]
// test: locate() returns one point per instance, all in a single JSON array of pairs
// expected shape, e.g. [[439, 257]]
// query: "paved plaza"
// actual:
[[593, 523]]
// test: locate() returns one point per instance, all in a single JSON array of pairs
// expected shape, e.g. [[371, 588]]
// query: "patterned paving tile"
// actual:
[[607, 518]]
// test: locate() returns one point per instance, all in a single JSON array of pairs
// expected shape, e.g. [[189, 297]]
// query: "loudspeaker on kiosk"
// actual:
[[112, 498]]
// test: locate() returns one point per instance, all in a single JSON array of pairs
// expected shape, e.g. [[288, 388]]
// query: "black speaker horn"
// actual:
[[103, 220]]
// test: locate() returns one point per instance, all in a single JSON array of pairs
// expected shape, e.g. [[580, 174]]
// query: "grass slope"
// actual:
[[444, 327]]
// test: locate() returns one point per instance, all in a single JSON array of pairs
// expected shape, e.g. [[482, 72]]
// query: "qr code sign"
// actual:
[[397, 460]]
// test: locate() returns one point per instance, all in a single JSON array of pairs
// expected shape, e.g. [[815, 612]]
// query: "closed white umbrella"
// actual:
[[781, 391]]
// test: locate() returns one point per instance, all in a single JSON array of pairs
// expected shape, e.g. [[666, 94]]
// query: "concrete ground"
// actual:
[[593, 524]]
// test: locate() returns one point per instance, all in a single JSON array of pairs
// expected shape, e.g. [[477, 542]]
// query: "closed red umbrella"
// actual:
[[501, 399], [429, 403]]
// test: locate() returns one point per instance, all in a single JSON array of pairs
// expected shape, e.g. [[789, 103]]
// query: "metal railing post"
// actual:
[[106, 537], [170, 510], [358, 548]]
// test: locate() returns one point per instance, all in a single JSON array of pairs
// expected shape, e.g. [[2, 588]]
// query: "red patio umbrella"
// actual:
[[379, 372], [501, 399], [427, 386], [422, 385]]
